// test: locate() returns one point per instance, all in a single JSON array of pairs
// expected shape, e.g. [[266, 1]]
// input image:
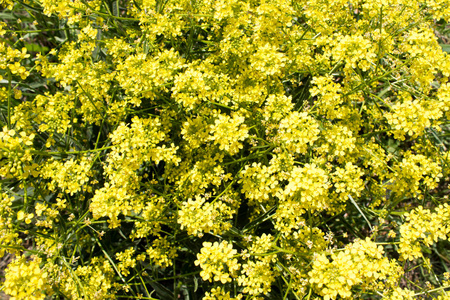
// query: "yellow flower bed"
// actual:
[[226, 149]]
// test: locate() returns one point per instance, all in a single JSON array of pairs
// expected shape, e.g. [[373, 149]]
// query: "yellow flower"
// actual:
[[217, 261], [26, 280]]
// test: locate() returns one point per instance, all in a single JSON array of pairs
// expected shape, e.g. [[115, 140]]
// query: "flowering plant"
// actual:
[[227, 149]]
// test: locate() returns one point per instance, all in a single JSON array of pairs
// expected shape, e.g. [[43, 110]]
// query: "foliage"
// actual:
[[227, 149]]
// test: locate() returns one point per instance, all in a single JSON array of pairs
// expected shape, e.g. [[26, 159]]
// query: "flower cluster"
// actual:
[[359, 264], [423, 228], [26, 280], [217, 261]]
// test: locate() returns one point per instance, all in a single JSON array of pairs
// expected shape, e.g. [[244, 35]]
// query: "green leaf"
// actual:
[[36, 48], [445, 47], [162, 291], [360, 211], [261, 219], [6, 16]]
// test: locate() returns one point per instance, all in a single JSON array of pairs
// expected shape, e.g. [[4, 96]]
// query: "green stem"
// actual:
[[9, 97], [103, 14], [113, 264], [41, 30], [49, 153]]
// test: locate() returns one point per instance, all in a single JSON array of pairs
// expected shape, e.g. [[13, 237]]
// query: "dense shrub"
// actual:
[[226, 149]]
